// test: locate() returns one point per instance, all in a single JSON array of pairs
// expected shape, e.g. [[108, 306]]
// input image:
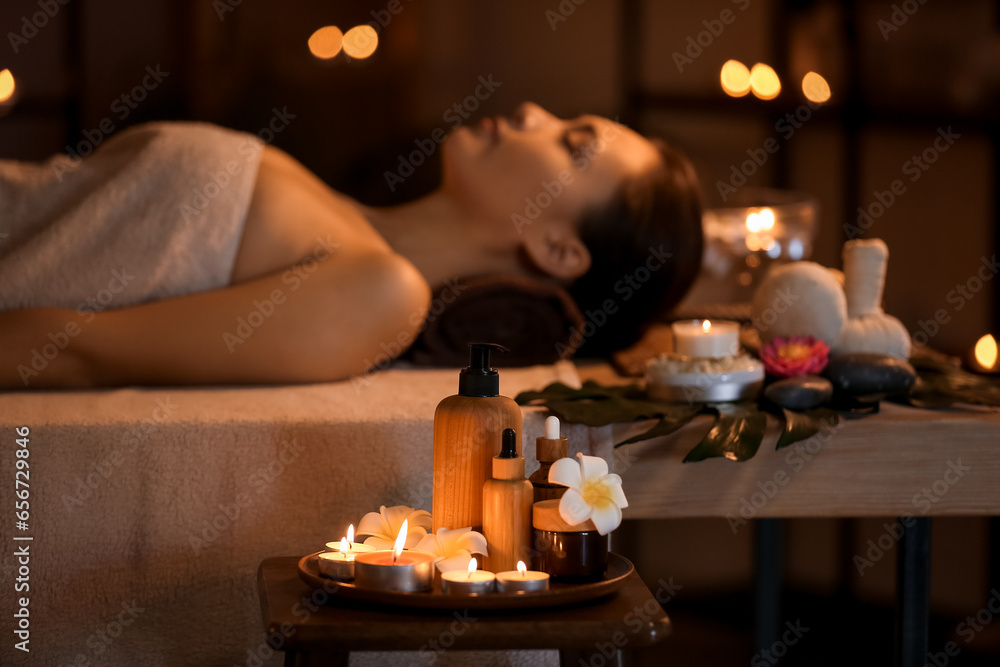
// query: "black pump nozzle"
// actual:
[[508, 444], [479, 379]]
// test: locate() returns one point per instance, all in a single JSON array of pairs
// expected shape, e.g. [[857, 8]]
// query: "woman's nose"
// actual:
[[530, 116]]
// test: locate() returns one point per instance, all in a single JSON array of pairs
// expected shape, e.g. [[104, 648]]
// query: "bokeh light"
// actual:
[[986, 352], [6, 85], [326, 42], [815, 88], [360, 41], [764, 82], [735, 78]]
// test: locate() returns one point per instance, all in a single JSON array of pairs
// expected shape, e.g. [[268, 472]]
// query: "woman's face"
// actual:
[[534, 165]]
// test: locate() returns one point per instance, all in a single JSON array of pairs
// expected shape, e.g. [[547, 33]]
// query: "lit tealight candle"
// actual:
[[348, 545], [470, 582], [337, 564], [522, 580], [394, 571], [706, 339]]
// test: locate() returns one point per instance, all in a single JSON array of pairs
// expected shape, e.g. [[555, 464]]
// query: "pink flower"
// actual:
[[796, 355]]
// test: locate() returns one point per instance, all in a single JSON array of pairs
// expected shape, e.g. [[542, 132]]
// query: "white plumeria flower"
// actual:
[[383, 526], [453, 548], [593, 493]]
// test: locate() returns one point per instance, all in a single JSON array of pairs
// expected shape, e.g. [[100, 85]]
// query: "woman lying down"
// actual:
[[185, 253]]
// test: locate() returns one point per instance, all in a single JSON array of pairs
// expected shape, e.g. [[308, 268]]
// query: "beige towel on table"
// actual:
[[156, 211]]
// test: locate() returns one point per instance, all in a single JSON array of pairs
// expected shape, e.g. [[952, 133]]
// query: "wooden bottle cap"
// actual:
[[547, 451], [508, 468], [545, 516]]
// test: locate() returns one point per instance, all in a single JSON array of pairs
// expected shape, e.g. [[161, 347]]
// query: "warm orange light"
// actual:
[[986, 352], [345, 545], [766, 218], [6, 85], [360, 41], [350, 533], [706, 326], [764, 82], [735, 78], [397, 548], [326, 42], [753, 222], [473, 566], [815, 88], [521, 567]]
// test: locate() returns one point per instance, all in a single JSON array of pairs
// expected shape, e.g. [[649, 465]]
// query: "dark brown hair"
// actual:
[[650, 229]]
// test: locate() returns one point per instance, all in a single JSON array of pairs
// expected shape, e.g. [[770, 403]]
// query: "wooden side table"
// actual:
[[313, 627]]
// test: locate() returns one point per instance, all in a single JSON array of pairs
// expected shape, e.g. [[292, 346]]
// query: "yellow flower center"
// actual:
[[596, 493], [794, 351]]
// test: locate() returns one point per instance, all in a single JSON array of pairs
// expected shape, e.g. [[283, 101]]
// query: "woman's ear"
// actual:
[[558, 252]]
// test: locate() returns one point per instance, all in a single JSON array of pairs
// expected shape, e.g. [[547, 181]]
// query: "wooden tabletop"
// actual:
[[901, 461], [632, 618]]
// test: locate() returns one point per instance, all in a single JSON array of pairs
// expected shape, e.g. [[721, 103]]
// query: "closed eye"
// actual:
[[575, 138]]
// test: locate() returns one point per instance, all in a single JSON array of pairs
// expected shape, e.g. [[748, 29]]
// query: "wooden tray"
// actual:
[[619, 568]]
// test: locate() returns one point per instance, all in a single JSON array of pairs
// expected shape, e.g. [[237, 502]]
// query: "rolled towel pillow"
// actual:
[[534, 319]]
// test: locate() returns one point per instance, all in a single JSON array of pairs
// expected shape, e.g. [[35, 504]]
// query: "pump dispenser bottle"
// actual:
[[507, 501], [467, 435], [548, 449]]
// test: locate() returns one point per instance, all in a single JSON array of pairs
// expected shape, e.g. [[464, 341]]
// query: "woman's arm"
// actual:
[[287, 327]]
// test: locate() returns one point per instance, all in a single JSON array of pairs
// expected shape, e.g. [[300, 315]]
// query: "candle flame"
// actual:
[[473, 566], [344, 545], [706, 326], [986, 351], [350, 533], [397, 549], [521, 567]]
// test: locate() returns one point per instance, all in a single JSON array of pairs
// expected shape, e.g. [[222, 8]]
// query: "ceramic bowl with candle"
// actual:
[[707, 365]]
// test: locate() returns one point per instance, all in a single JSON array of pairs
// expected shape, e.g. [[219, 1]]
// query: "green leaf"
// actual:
[[590, 389], [736, 434], [804, 425], [668, 423]]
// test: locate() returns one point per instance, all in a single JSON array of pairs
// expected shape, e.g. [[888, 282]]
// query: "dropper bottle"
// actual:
[[507, 500], [548, 449]]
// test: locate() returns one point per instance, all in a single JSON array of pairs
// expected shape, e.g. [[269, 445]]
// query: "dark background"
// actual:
[[893, 89]]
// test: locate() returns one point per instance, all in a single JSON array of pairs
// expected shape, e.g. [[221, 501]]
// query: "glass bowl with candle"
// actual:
[[756, 229]]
